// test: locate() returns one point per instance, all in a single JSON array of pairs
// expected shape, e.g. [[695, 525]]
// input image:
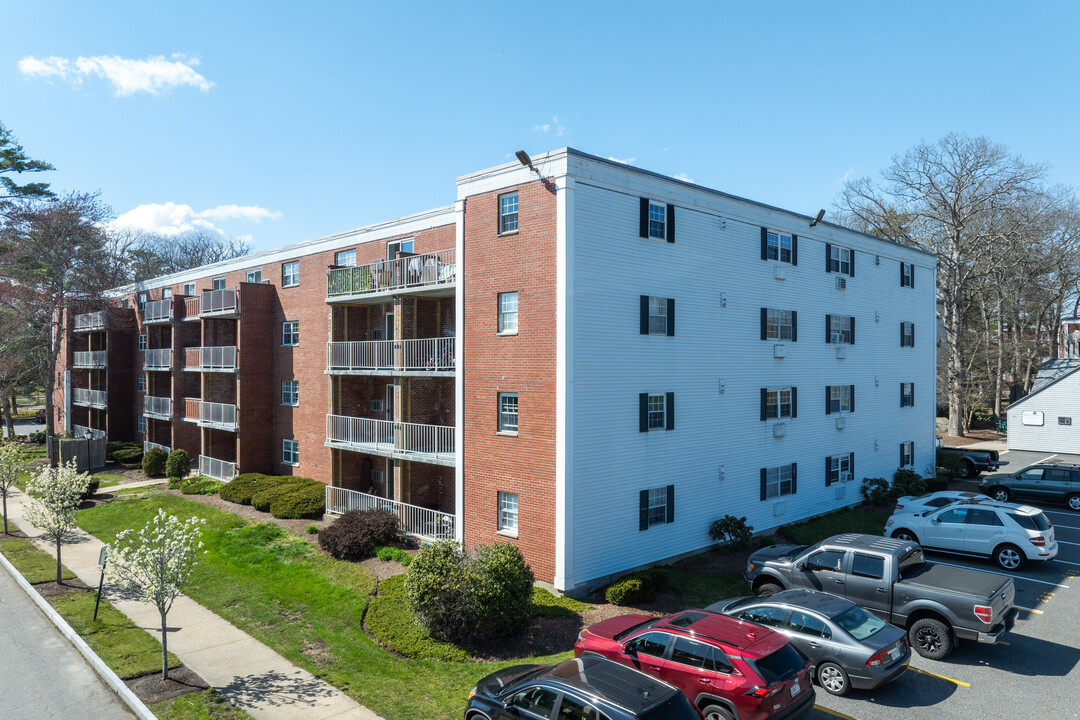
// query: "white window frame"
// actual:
[[142, 301], [140, 383], [290, 273], [290, 452], [345, 258], [657, 412], [508, 318], [142, 342], [218, 283], [778, 324], [907, 334], [657, 511], [189, 289], [776, 406], [508, 419], [907, 394], [290, 333], [778, 482], [839, 398], [840, 259], [843, 335], [166, 294], [907, 454], [839, 464], [509, 207], [290, 392], [658, 220], [508, 513], [658, 315], [907, 275], [778, 246], [253, 276], [140, 424]]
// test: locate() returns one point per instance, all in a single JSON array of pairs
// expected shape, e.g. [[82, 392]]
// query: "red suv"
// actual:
[[730, 669]]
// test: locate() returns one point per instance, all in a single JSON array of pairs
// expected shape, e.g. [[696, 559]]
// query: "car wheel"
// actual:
[[716, 712], [1073, 501], [833, 678], [1000, 494], [1009, 557], [767, 588], [930, 638], [970, 471], [904, 534]]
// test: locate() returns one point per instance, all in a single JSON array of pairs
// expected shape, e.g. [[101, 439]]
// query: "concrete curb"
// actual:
[[111, 679]]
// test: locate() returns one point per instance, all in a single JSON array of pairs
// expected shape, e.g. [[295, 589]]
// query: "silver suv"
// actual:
[[1045, 483]]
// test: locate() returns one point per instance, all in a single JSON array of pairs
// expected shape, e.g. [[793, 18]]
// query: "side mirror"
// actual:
[[800, 566], [630, 650], [935, 520]]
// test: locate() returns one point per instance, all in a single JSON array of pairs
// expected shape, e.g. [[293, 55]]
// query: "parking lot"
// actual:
[[1035, 673]]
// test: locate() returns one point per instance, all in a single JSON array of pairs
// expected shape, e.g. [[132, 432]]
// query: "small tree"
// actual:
[[10, 465], [55, 510], [178, 465], [156, 562]]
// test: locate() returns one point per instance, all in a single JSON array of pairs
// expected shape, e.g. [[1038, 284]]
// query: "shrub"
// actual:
[[312, 529], [200, 486], [178, 465], [241, 488], [981, 414], [937, 484], [950, 463], [438, 590], [305, 501], [128, 453], [502, 585], [637, 587], [392, 553], [92, 488], [731, 531], [273, 488], [36, 437], [907, 482], [356, 533], [875, 491], [392, 622], [153, 462]]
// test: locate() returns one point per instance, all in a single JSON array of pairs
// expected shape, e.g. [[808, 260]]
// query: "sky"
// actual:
[[279, 122]]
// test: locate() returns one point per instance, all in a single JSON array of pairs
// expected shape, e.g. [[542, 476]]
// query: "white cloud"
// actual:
[[171, 219], [560, 130], [685, 178], [154, 75], [846, 176], [542, 128], [624, 161]]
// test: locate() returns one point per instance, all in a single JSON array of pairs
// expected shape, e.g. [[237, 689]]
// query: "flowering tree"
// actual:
[[156, 561], [10, 465], [55, 509]]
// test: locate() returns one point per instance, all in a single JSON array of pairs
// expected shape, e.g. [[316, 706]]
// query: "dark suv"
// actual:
[[1045, 483]]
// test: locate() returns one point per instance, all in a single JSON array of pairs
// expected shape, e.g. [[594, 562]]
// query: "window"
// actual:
[[840, 329], [508, 413], [573, 709], [768, 615], [907, 334], [839, 468], [508, 213], [656, 412], [692, 653], [508, 512], [290, 392], [778, 481], [828, 560], [907, 454], [907, 394], [778, 246], [141, 384], [657, 506], [345, 258], [907, 275], [651, 643], [290, 452], [869, 566], [838, 260], [290, 332], [779, 324], [218, 283], [657, 315], [536, 701], [839, 398], [290, 274], [142, 342], [142, 301], [166, 294], [508, 313], [806, 624], [140, 423], [779, 403], [984, 517], [254, 276], [657, 221], [189, 289], [1064, 420]]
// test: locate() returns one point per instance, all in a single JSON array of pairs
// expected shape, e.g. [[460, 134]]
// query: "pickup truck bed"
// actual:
[[955, 580]]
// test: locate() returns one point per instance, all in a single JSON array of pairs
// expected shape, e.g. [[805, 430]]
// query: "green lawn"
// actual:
[[109, 479], [33, 564], [206, 705], [304, 605], [697, 591], [848, 520]]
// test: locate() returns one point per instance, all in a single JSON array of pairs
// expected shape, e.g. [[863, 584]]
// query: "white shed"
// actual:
[[1048, 418]]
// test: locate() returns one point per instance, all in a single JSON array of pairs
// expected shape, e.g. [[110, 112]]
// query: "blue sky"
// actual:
[[287, 121]]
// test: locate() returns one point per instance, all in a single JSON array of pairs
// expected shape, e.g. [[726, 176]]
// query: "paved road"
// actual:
[[43, 677], [25, 427]]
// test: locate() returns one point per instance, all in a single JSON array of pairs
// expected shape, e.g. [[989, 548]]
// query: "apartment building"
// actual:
[[585, 358]]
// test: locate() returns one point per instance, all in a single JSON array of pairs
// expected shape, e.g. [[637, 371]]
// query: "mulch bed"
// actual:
[[53, 589], [152, 689]]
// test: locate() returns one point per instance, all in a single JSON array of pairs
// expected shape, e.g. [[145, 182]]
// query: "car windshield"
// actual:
[[741, 602], [779, 666], [1037, 521], [640, 626], [858, 623], [509, 687]]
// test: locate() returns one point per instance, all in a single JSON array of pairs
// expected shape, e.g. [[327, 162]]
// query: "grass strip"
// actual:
[[205, 705], [392, 622], [33, 563], [546, 604], [848, 520]]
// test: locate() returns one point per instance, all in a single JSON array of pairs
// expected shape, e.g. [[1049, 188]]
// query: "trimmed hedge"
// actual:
[[306, 501], [128, 449], [153, 463], [128, 456], [355, 534], [242, 488], [278, 486], [178, 465], [638, 587]]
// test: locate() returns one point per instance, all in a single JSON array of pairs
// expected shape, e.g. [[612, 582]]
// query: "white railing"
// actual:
[[217, 415], [158, 311], [158, 407], [435, 354], [91, 359], [147, 446], [217, 469], [436, 268], [414, 520], [93, 398], [90, 321], [217, 358], [396, 438], [158, 359], [219, 301], [81, 431]]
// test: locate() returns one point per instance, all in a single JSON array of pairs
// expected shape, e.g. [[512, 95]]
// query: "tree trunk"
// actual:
[[9, 422], [955, 371], [57, 559], [5, 515], [1000, 360], [164, 650]]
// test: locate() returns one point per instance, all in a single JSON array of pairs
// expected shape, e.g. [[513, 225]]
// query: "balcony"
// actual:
[[405, 441], [93, 360], [420, 522], [369, 357], [89, 398], [147, 446], [192, 306], [433, 274], [158, 312], [220, 303], [158, 359], [211, 359], [217, 469], [81, 431], [218, 416], [88, 322], [157, 407], [191, 409]]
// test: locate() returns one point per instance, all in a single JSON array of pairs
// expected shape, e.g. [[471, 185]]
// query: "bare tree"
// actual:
[[149, 255]]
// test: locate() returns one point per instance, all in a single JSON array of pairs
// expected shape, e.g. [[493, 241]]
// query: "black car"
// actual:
[[586, 688]]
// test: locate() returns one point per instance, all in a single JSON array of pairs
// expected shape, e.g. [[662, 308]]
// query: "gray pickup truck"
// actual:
[[976, 461], [937, 604]]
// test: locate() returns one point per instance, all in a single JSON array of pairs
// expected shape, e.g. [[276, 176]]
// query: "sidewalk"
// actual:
[[251, 675]]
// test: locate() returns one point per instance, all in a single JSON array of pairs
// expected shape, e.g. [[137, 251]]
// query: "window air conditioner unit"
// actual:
[[377, 405], [780, 272], [841, 352], [841, 422], [845, 477], [841, 283], [779, 430], [779, 350]]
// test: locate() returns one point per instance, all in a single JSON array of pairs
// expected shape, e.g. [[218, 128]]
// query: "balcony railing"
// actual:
[[414, 271], [218, 359], [147, 446], [158, 311], [217, 415], [426, 443], [434, 354], [81, 431], [158, 359], [418, 521], [191, 409], [217, 469], [220, 302], [89, 398], [158, 407], [192, 306], [91, 359], [90, 321]]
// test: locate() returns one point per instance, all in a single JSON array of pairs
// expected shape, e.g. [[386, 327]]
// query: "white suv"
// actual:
[[1010, 534]]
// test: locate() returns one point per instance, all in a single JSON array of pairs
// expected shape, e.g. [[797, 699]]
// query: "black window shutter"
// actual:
[[794, 478], [852, 397], [671, 316], [764, 243], [794, 249], [901, 394], [828, 328], [912, 283], [794, 402], [643, 510], [764, 482], [644, 314], [852, 329], [902, 267], [828, 471], [912, 343], [670, 227], [851, 465], [671, 503], [670, 414], [912, 394], [912, 444], [643, 412], [764, 323], [828, 257], [764, 404], [794, 326], [851, 264], [643, 230], [901, 454], [828, 397], [901, 334]]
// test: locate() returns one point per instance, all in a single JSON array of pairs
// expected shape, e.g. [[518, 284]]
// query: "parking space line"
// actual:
[[1045, 459], [1070, 527], [1030, 610], [927, 672], [1065, 542], [834, 713], [1066, 562], [1015, 577]]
